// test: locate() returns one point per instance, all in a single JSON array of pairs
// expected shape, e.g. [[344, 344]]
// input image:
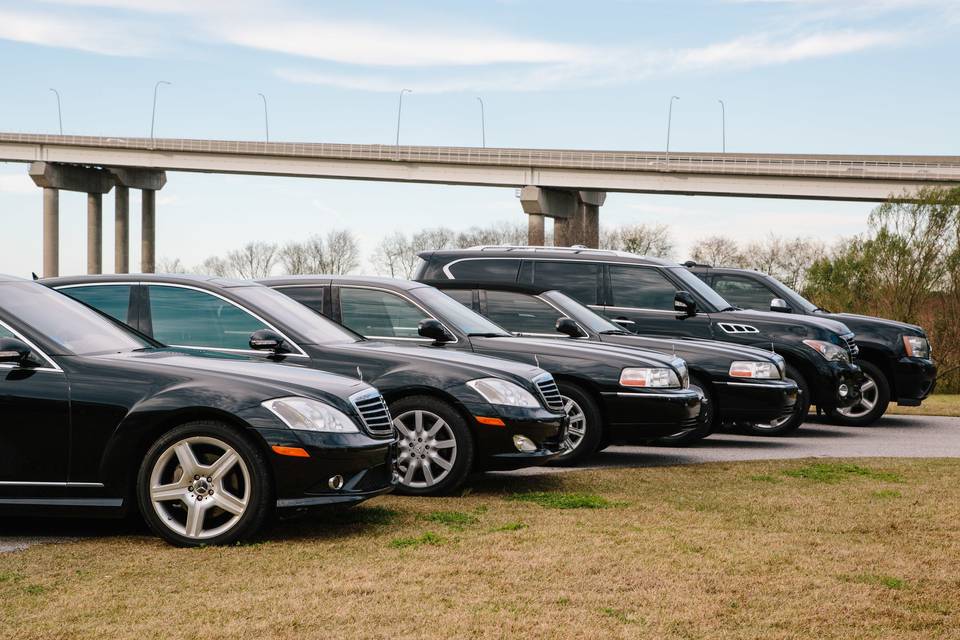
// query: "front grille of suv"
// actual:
[[550, 392], [374, 412]]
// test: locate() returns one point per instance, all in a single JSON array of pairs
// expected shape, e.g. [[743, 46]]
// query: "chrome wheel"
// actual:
[[200, 487], [428, 448], [774, 424], [577, 425], [869, 396]]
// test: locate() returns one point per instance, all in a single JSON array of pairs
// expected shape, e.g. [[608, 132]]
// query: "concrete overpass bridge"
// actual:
[[567, 185]]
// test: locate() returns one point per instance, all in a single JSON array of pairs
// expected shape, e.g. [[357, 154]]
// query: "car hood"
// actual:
[[614, 355], [860, 324], [810, 325], [456, 362], [693, 349], [283, 378]]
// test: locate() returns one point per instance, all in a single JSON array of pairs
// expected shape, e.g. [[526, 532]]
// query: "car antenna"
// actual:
[[35, 276], [536, 359], [673, 344], [359, 373]]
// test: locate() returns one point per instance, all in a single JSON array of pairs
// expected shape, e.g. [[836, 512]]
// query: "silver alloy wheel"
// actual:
[[200, 487], [776, 423], [428, 448], [869, 396], [577, 425]]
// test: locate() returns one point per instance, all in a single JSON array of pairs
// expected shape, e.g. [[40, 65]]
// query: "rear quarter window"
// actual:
[[485, 269]]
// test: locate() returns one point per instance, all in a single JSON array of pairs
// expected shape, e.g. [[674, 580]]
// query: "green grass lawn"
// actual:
[[772, 550]]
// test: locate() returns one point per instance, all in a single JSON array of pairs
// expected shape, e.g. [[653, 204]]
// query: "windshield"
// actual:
[[455, 314], [72, 326], [581, 314], [310, 326], [699, 287], [794, 299]]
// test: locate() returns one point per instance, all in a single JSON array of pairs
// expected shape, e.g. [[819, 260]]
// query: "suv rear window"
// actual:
[[579, 280], [485, 269]]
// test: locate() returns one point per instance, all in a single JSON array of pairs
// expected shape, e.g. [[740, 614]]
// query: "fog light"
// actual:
[[524, 444], [336, 482], [843, 390]]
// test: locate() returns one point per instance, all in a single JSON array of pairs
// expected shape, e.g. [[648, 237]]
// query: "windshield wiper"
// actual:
[[732, 309], [614, 332], [488, 335]]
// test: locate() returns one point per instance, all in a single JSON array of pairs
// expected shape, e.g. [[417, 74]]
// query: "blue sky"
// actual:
[[819, 76]]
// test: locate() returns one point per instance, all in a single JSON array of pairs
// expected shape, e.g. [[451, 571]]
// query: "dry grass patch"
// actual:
[[941, 404], [709, 551]]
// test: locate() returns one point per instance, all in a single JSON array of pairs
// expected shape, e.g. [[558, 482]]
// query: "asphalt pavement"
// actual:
[[893, 436]]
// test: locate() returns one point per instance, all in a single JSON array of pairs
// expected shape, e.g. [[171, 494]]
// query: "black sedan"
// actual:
[[610, 393], [455, 412], [97, 420], [740, 384]]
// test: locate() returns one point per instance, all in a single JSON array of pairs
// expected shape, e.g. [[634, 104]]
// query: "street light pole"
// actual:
[[153, 117], [266, 119], [670, 120], [399, 109], [483, 122], [723, 116], [59, 112]]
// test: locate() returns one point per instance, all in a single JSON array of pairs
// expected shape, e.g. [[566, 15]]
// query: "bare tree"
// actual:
[[501, 233], [215, 266], [338, 253], [171, 265], [643, 239], [253, 260], [343, 252], [718, 251]]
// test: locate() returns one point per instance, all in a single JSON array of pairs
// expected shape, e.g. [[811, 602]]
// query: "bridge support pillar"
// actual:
[[576, 215], [51, 232], [149, 182], [94, 233], [121, 230], [148, 231]]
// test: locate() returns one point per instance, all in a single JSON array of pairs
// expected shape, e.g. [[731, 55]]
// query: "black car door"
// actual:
[[640, 299], [34, 423]]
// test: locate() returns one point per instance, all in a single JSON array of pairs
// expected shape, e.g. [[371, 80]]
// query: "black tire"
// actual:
[[249, 478], [705, 425], [423, 456], [862, 414], [593, 430], [797, 416]]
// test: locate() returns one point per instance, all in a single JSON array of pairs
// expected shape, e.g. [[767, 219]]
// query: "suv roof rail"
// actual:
[[513, 247], [693, 263]]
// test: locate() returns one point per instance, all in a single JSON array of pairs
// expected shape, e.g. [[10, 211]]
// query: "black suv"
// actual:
[[656, 297], [895, 356]]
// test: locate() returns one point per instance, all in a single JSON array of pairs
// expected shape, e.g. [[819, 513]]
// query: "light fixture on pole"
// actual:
[[59, 112], [670, 120], [153, 117], [483, 123], [723, 122], [266, 119], [399, 110]]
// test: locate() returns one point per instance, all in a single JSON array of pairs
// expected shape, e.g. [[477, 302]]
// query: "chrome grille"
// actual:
[[550, 392], [850, 343], [374, 412]]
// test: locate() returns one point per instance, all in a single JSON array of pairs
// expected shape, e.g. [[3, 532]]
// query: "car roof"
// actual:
[[168, 278], [383, 281], [558, 253], [5, 278]]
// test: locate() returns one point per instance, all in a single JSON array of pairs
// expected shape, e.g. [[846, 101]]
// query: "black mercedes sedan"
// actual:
[[97, 420], [455, 412], [609, 393], [740, 384]]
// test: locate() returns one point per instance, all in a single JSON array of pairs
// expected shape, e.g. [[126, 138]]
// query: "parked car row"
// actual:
[[210, 404]]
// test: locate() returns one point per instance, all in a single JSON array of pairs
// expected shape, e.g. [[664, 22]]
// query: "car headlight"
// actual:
[[916, 346], [311, 415], [649, 377], [750, 369], [828, 350], [496, 391]]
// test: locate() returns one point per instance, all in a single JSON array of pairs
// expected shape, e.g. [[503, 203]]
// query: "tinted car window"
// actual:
[[309, 296], [113, 299], [191, 318], [463, 296], [380, 314], [489, 270], [579, 280], [6, 333], [743, 292], [640, 287], [521, 313]]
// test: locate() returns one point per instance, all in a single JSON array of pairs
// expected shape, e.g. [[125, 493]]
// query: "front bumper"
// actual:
[[495, 443], [636, 416], [832, 379], [915, 379], [365, 464], [755, 400]]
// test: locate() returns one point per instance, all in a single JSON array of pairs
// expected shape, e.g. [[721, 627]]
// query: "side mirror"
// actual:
[[685, 304], [780, 305], [13, 351], [568, 327], [434, 329], [267, 340]]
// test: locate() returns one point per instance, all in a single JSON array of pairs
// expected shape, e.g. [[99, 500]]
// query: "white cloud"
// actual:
[[94, 35]]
